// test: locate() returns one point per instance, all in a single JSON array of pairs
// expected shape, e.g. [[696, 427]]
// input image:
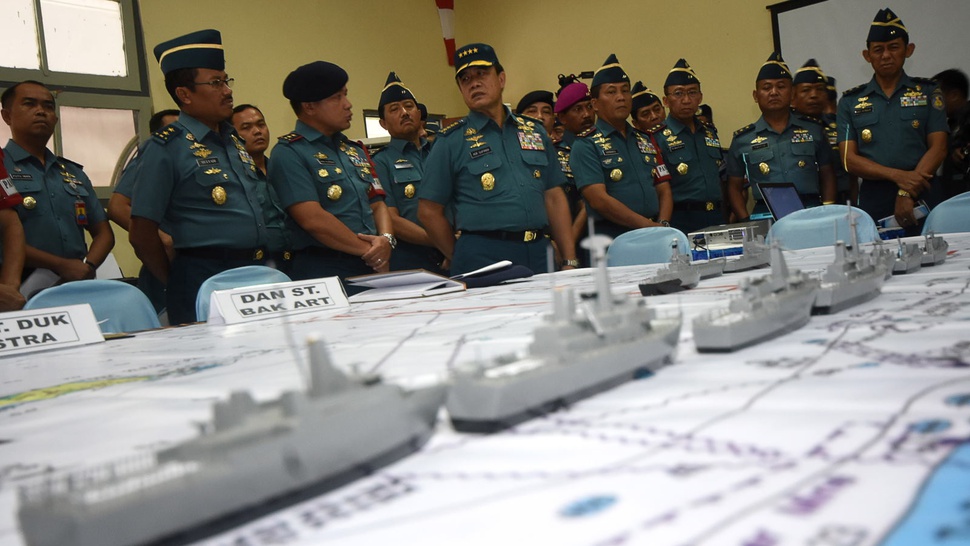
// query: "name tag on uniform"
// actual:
[[674, 146], [328, 162], [759, 145], [908, 102], [404, 165], [21, 176], [207, 162], [531, 141], [480, 152]]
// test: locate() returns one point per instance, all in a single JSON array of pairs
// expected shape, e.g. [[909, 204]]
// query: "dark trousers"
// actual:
[[475, 251], [411, 256], [318, 262], [186, 276], [878, 199], [695, 220], [153, 288]]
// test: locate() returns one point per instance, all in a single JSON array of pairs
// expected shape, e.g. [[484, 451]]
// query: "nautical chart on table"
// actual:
[[853, 430]]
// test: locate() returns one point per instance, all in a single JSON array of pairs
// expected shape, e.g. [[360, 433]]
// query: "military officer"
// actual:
[[648, 109], [196, 177], [811, 98], [618, 169], [892, 131], [400, 166], [59, 203], [327, 182], [574, 111], [251, 126], [539, 105], [692, 151], [12, 242], [500, 173], [780, 147]]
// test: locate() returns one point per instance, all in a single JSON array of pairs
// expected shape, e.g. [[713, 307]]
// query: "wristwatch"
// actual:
[[664, 223], [569, 263], [89, 264], [390, 239]]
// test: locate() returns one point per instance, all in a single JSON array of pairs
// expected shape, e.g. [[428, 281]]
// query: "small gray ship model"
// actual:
[[768, 307], [575, 354], [934, 250], [854, 276], [253, 455], [676, 276], [754, 253], [909, 258]]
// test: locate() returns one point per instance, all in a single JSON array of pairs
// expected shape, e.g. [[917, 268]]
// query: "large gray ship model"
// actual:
[[767, 307], [854, 276], [754, 253], [676, 276], [253, 456], [577, 351]]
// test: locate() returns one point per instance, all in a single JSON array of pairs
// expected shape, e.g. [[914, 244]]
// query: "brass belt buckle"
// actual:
[[709, 205], [529, 236]]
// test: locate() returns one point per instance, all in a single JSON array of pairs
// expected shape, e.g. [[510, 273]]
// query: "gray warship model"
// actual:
[[934, 250], [707, 269], [768, 306], [854, 276], [575, 354], [755, 253], [676, 276], [253, 458], [909, 258]]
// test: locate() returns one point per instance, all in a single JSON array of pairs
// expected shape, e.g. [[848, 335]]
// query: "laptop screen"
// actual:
[[782, 199]]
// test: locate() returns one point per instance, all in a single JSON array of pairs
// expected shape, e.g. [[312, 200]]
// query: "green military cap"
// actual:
[[681, 74], [774, 69], [394, 91], [199, 49], [810, 73], [474, 55], [887, 26], [642, 96], [610, 72]]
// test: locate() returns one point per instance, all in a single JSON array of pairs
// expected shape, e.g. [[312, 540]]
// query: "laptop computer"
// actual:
[[782, 198]]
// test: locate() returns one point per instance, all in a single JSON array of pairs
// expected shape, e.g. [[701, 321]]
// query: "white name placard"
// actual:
[[272, 300], [49, 328]]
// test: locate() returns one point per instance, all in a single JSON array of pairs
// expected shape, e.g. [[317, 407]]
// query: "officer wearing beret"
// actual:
[[648, 109], [618, 169], [539, 105], [574, 111], [196, 177], [892, 131], [59, 203], [692, 151], [400, 165], [327, 183], [811, 98], [780, 147], [12, 242], [500, 174]]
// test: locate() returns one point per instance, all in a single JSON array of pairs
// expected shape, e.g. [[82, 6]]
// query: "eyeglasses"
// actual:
[[680, 94], [217, 84]]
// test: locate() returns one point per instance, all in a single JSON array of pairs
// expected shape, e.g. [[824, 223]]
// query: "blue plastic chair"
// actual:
[[118, 307], [650, 245], [950, 216], [821, 226], [249, 275]]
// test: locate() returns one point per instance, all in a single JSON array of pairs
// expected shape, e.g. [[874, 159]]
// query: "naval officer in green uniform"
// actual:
[[692, 151], [618, 169], [892, 131], [196, 176], [59, 203], [574, 110], [781, 146], [648, 110], [500, 173], [327, 183], [400, 167]]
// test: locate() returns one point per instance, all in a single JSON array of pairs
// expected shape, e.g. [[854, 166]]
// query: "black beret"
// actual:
[[315, 81], [534, 97]]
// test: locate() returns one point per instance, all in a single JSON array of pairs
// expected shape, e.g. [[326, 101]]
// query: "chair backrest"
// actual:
[[950, 216], [249, 275], [118, 306], [650, 245], [821, 226]]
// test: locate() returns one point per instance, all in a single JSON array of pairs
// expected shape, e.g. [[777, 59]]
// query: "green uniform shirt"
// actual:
[[277, 232], [400, 166], [892, 130], [761, 154], [333, 171], [832, 134], [694, 159], [629, 166], [59, 201], [201, 185], [495, 177]]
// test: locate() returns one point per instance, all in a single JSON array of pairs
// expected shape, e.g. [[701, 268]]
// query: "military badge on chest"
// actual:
[[801, 135], [913, 98], [645, 146], [711, 139]]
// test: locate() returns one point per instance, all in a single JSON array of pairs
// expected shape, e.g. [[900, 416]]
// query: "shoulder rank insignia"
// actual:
[[854, 90], [167, 134], [66, 160], [592, 131], [290, 137], [657, 128], [812, 119], [929, 81], [452, 127], [743, 130], [707, 124]]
